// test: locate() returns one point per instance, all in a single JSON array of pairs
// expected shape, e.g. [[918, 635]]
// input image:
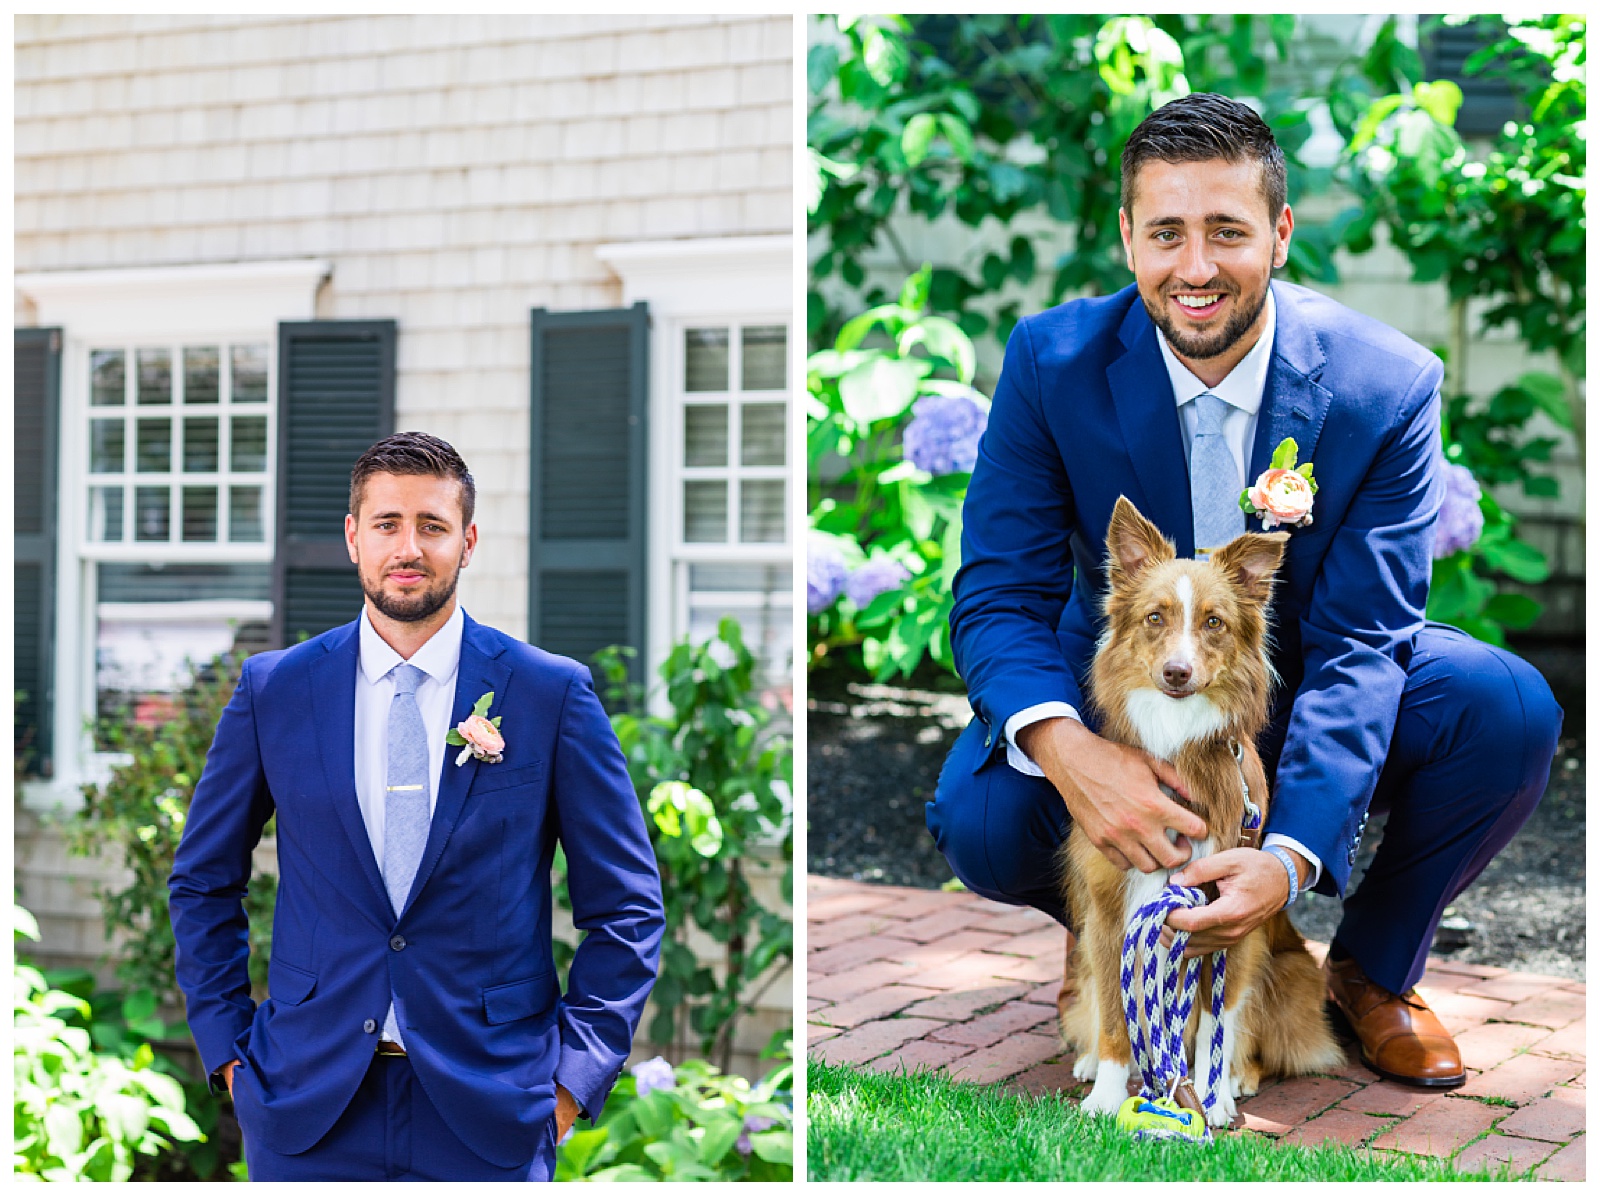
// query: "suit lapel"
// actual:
[[1295, 404], [480, 670], [1141, 392], [333, 706]]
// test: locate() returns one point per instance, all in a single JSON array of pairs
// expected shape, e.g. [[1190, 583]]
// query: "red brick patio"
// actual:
[[903, 978]]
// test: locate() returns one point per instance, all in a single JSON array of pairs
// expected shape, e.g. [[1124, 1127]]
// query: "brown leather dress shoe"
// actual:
[[1400, 1037]]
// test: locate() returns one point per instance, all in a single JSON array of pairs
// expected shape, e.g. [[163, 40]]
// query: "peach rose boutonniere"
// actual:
[[1281, 495], [479, 733]]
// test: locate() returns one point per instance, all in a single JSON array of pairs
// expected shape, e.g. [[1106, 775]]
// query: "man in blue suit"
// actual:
[[1175, 392], [415, 1028]]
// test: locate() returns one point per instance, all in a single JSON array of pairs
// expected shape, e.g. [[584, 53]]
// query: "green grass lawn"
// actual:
[[923, 1127]]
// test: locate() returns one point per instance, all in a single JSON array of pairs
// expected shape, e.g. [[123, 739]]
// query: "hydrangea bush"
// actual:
[[79, 1115], [687, 1123], [894, 426]]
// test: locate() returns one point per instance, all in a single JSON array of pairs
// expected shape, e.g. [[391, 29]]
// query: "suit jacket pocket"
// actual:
[[493, 779], [288, 985], [516, 1001]]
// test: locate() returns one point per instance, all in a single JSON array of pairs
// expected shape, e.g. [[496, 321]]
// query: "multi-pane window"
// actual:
[[735, 463], [176, 555], [734, 476], [179, 445]]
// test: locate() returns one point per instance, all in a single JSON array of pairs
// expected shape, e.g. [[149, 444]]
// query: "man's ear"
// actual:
[[1249, 561], [1127, 236], [1282, 232], [1133, 544], [350, 537]]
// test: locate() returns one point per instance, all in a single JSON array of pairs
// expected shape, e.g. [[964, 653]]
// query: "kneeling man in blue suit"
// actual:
[[1175, 392], [415, 1027]]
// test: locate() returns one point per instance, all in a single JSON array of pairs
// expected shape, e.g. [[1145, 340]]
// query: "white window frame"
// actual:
[[159, 306], [689, 284], [176, 550]]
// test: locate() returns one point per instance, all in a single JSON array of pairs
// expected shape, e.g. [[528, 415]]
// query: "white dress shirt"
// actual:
[[1243, 389], [438, 659]]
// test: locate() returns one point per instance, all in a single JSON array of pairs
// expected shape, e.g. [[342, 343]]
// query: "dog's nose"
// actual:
[[1175, 674]]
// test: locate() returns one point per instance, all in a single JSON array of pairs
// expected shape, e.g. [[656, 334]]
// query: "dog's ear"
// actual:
[[1249, 560], [1133, 543]]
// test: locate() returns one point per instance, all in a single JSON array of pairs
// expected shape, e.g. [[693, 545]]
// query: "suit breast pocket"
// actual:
[[493, 779]]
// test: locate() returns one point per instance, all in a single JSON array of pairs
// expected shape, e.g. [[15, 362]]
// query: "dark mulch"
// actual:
[[874, 754]]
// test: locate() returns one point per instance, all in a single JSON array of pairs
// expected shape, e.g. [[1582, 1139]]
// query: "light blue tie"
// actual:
[[406, 811], [406, 808], [1214, 483]]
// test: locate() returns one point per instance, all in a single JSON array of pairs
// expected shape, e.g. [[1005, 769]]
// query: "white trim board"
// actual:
[[202, 301]]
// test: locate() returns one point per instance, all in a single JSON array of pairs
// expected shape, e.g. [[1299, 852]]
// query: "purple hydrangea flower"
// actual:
[[868, 582], [652, 1074], [825, 574], [944, 431], [752, 1125], [1460, 518]]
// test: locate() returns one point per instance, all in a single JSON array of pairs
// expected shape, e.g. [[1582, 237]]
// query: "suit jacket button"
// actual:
[[397, 942], [369, 1026]]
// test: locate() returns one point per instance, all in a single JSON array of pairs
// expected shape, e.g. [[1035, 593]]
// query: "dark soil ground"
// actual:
[[874, 754]]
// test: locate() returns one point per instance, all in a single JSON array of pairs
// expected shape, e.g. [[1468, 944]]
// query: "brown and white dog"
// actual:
[[1182, 672]]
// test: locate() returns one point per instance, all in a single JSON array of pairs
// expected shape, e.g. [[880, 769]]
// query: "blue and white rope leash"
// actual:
[[1170, 986]]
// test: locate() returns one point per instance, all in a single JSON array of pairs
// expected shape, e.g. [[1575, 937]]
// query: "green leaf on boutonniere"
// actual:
[[481, 708], [454, 739], [495, 721], [1283, 458]]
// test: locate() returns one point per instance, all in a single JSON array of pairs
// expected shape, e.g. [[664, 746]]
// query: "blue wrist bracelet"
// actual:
[[1282, 855]]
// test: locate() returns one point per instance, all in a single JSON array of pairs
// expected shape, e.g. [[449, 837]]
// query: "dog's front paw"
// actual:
[[1109, 1091], [1221, 1114], [1086, 1066]]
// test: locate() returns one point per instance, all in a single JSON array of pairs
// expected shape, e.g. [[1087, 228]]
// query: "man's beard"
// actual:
[[1206, 345], [410, 609]]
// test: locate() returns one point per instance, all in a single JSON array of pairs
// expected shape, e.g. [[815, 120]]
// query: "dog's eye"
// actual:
[[1213, 622], [1154, 618]]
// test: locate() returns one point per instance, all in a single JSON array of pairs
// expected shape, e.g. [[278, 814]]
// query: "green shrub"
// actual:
[[705, 1126], [713, 778], [136, 819], [80, 1115]]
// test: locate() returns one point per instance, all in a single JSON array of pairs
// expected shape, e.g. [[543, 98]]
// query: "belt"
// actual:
[[391, 1050]]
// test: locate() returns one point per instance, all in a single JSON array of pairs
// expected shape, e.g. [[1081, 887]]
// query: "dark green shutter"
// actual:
[[37, 389], [586, 530], [335, 398]]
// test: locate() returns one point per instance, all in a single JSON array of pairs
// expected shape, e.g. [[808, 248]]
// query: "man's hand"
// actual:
[[1113, 794], [227, 1076], [566, 1112], [1251, 886]]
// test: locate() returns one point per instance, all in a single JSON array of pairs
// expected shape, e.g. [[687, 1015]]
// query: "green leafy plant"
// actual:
[[79, 1114], [869, 500], [704, 1126], [713, 780], [1504, 228], [136, 820], [993, 118]]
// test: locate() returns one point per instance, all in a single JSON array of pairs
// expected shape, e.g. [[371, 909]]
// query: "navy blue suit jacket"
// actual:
[[468, 961], [1084, 412]]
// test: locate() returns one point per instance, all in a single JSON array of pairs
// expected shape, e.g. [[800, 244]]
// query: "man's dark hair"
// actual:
[[1202, 128], [413, 454]]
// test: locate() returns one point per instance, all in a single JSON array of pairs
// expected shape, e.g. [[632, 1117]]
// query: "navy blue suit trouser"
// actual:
[[391, 1131], [1471, 754]]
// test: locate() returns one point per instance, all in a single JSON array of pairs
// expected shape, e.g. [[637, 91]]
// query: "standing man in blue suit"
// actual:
[[1175, 391], [415, 1028]]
